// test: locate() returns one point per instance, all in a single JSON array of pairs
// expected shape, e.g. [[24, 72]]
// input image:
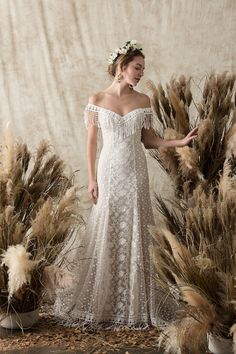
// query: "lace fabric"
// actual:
[[115, 280], [121, 126]]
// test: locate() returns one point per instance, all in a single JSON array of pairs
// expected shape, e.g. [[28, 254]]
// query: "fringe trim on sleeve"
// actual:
[[91, 116], [148, 120]]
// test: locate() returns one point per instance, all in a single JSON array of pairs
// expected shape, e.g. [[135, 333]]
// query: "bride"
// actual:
[[115, 282]]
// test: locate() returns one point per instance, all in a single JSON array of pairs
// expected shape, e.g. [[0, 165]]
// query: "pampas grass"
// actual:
[[39, 212], [185, 337], [195, 248], [19, 267], [215, 119]]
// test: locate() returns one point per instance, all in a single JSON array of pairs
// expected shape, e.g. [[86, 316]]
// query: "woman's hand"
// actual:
[[191, 135], [93, 191], [153, 141]]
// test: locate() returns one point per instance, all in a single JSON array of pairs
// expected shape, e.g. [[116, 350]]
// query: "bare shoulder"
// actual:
[[96, 98], [143, 99]]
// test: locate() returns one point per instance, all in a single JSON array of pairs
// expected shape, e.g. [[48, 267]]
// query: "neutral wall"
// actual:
[[53, 56]]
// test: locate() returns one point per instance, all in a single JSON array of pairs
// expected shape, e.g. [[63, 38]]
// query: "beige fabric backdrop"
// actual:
[[53, 56]]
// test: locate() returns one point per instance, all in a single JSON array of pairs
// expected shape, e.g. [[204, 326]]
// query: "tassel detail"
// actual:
[[121, 126], [91, 116]]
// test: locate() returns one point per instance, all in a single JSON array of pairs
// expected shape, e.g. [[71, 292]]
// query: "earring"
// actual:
[[131, 87], [119, 77]]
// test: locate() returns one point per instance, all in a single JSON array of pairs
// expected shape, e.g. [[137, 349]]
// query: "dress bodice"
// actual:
[[117, 127]]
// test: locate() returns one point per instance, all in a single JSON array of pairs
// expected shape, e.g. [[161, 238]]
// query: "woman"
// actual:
[[116, 279]]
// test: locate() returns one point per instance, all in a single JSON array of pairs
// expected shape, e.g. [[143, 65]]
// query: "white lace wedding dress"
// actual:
[[115, 281]]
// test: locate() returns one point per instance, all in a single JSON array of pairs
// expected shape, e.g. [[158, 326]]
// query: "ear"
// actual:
[[124, 68]]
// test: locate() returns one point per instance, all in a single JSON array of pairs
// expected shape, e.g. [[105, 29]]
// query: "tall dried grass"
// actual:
[[39, 210], [202, 161], [195, 251]]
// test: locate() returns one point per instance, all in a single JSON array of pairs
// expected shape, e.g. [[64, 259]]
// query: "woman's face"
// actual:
[[134, 70]]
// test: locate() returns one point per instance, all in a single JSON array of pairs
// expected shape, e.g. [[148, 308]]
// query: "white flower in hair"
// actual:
[[129, 45], [123, 51], [112, 57]]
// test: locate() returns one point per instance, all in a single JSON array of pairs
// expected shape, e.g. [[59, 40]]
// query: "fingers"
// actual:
[[193, 132], [93, 195], [190, 139], [92, 198], [193, 137], [95, 192]]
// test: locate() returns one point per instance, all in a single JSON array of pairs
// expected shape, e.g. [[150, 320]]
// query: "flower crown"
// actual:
[[129, 46]]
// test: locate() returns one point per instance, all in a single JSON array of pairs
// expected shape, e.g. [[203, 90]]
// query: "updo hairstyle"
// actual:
[[123, 60]]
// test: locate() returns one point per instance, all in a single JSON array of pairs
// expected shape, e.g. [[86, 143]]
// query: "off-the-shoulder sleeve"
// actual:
[[91, 115], [148, 118]]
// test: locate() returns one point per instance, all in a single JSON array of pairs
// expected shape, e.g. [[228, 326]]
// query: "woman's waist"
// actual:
[[132, 142], [122, 149], [114, 155]]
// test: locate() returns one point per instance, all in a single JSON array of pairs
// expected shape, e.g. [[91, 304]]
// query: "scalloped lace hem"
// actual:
[[90, 323]]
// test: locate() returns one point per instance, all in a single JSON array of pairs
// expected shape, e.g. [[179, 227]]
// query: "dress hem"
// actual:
[[114, 325]]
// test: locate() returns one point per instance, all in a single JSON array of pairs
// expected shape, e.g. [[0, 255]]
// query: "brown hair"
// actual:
[[123, 60]]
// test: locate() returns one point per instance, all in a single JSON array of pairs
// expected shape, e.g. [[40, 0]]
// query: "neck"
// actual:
[[120, 88]]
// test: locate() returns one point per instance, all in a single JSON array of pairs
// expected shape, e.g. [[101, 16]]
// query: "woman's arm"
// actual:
[[91, 159], [152, 141]]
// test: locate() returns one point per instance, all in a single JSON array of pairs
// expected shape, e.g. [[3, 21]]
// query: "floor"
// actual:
[[56, 351], [47, 337]]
